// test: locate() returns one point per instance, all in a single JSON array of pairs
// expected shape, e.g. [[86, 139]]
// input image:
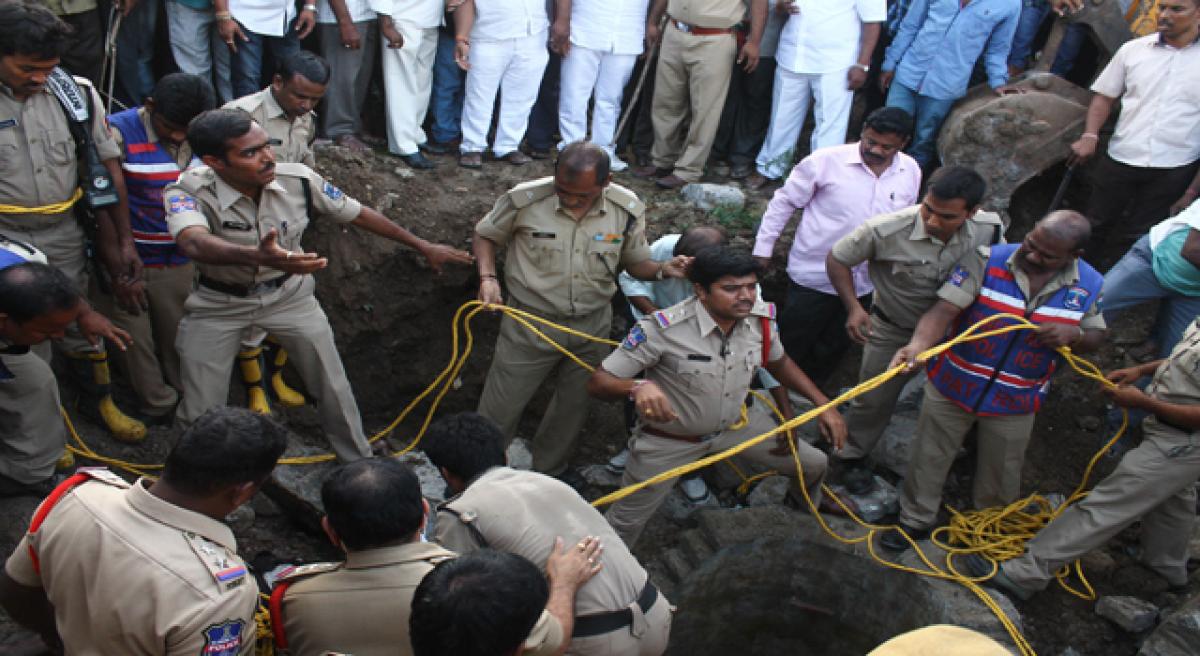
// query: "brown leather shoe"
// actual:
[[756, 181], [671, 182], [352, 143], [471, 160], [516, 158], [651, 172]]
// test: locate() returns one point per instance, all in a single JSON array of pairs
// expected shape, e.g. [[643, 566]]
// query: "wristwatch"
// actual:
[[633, 390], [863, 67], [658, 275]]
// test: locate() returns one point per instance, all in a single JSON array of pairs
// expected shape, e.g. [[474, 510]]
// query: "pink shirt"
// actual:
[[837, 192]]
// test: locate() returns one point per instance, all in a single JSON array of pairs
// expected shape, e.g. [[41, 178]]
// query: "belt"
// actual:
[[600, 623], [244, 290], [694, 439], [700, 31], [878, 311], [1174, 425]]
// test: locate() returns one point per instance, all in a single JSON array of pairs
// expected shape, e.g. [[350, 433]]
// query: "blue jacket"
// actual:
[[938, 43]]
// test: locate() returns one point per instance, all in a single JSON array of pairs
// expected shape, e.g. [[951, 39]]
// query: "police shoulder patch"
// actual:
[[1075, 298], [179, 203], [634, 339], [224, 639], [959, 275], [331, 191]]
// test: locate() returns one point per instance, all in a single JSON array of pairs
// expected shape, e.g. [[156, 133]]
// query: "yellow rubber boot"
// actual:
[[123, 427], [65, 461], [286, 396], [250, 361]]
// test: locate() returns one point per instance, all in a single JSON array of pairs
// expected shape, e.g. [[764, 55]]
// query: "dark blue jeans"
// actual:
[[446, 98], [135, 53], [248, 60], [543, 118]]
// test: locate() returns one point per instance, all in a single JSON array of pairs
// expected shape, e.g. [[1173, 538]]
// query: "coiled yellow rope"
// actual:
[[52, 208]]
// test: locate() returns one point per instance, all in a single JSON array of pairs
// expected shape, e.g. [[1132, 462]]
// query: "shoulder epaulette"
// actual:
[[889, 224], [292, 169], [297, 572], [103, 475], [528, 193], [763, 309], [196, 178], [626, 199]]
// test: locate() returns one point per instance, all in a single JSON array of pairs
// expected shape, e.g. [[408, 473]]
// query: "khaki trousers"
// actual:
[[646, 636], [521, 363], [32, 434], [870, 413], [151, 362], [690, 83], [941, 428], [210, 335], [62, 242], [650, 455], [1154, 483]]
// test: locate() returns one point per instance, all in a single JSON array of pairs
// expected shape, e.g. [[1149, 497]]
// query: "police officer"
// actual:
[[37, 303], [285, 110], [376, 515], [997, 384], [241, 219], [161, 545], [154, 150], [619, 612], [40, 165], [1154, 483], [699, 357], [909, 254], [567, 237]]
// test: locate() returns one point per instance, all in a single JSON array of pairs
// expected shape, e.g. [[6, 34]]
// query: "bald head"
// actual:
[[1069, 226], [697, 238]]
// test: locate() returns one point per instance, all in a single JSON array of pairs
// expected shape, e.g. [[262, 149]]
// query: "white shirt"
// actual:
[[499, 20], [265, 17], [422, 14], [662, 293], [609, 26], [1159, 88], [360, 11], [823, 37]]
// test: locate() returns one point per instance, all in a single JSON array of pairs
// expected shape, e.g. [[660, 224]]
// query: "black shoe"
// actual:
[[438, 147], [893, 541], [417, 161], [857, 477], [573, 478], [976, 566]]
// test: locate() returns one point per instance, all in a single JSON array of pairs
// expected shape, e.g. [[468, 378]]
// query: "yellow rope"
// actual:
[[52, 208], [997, 534]]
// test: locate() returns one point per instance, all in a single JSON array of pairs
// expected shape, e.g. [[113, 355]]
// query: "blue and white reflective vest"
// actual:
[[1009, 374], [148, 169]]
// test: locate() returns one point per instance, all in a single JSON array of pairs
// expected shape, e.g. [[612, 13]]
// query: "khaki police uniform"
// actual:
[[942, 424], [151, 360], [705, 375], [1154, 483], [129, 573], [362, 606], [522, 512], [907, 266], [295, 137], [691, 82], [38, 166], [564, 270], [229, 299]]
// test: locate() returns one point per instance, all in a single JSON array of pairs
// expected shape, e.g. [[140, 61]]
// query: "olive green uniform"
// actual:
[[215, 320], [130, 573], [563, 270], [1154, 483], [522, 512], [907, 266], [705, 375]]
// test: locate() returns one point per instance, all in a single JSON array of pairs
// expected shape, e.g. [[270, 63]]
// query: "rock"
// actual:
[[519, 456], [707, 196], [884, 500], [241, 519], [1088, 423], [433, 486], [895, 445], [599, 476], [263, 506], [769, 491], [404, 172], [388, 201], [1098, 562], [1178, 635], [1129, 613]]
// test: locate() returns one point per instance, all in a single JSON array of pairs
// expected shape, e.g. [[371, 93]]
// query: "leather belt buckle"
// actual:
[[682, 26]]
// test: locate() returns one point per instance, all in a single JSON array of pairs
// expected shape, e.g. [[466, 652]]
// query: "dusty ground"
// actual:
[[392, 319]]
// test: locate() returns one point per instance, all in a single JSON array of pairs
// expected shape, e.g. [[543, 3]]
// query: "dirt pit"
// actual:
[[392, 318]]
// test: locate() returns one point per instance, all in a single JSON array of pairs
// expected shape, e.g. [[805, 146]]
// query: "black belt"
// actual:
[[877, 311], [244, 290], [1174, 425], [601, 623]]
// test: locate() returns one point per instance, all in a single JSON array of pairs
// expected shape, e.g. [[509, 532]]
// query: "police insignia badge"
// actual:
[[224, 639], [959, 275], [1075, 298], [333, 192], [634, 339], [181, 203]]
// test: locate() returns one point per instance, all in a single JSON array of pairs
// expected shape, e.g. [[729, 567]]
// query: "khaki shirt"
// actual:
[[559, 266], [521, 512], [37, 153], [69, 7], [962, 289], [707, 13], [295, 136], [1177, 379], [201, 198], [907, 265], [362, 606], [129, 573], [181, 153], [704, 373]]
